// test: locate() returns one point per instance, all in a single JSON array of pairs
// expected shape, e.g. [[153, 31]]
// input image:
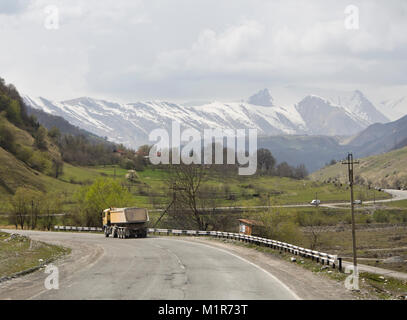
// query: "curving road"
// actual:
[[151, 268], [396, 196]]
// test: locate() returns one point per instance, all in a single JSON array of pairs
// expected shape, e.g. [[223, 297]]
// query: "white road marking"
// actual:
[[247, 261]]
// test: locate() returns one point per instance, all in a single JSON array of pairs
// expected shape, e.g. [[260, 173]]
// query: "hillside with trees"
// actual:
[[30, 153], [387, 170]]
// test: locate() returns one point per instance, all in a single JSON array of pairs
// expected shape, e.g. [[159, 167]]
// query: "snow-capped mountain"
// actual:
[[131, 123], [357, 104], [394, 109], [324, 118], [261, 98]]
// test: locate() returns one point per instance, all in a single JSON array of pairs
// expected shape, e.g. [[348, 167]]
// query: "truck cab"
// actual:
[[106, 217]]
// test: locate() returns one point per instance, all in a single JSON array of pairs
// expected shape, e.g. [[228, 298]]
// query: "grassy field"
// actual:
[[374, 245], [18, 253], [252, 190], [246, 190], [398, 204]]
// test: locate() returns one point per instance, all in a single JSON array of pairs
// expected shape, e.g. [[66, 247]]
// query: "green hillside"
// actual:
[[387, 170], [34, 158]]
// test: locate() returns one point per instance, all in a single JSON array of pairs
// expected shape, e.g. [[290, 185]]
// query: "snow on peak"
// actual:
[[131, 123], [262, 98]]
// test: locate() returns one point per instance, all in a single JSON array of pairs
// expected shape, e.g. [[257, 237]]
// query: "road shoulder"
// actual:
[[306, 284], [82, 257]]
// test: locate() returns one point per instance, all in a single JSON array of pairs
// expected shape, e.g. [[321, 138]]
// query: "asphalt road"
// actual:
[[151, 268]]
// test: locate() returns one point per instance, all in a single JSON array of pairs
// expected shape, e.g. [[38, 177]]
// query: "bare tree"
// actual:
[[314, 229], [26, 207], [57, 167], [51, 205], [186, 182], [20, 208]]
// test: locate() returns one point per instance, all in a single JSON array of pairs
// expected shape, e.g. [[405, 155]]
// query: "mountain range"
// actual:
[[131, 123]]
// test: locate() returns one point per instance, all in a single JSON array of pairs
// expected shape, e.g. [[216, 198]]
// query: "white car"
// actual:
[[357, 202], [315, 202]]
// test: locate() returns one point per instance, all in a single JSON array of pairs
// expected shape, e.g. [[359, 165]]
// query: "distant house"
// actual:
[[250, 227], [119, 152]]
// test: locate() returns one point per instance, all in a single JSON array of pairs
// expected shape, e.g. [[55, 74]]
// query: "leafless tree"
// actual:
[[185, 182]]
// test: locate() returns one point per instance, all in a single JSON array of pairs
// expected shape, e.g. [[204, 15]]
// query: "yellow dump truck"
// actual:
[[125, 222]]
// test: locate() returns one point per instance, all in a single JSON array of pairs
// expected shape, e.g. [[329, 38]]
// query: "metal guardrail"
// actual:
[[324, 258], [72, 228]]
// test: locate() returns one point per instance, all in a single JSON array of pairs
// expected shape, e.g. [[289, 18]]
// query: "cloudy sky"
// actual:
[[182, 50]]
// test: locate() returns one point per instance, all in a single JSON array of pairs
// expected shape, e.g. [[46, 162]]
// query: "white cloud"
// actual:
[[206, 49]]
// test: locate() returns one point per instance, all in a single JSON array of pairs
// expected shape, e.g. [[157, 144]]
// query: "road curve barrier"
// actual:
[[324, 258], [72, 228], [320, 257]]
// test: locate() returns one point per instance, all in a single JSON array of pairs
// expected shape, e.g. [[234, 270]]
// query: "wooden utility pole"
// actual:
[[32, 214], [174, 189], [350, 162]]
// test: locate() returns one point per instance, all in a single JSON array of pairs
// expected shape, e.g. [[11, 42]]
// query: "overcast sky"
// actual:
[[181, 50]]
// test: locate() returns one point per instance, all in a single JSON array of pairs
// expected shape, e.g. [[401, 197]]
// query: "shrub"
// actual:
[[40, 162], [7, 139], [24, 154], [381, 216]]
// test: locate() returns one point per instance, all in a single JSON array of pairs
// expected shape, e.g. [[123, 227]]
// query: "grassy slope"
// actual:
[[15, 173], [382, 170], [16, 255]]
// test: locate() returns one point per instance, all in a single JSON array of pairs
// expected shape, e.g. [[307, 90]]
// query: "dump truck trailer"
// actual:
[[125, 222]]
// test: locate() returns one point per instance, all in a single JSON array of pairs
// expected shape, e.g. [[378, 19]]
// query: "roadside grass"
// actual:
[[368, 241], [400, 267], [383, 287], [398, 204], [16, 254]]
